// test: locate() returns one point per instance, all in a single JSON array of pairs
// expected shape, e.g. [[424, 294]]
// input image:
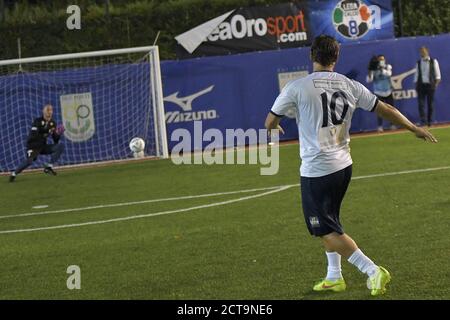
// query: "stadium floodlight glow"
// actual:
[[103, 98]]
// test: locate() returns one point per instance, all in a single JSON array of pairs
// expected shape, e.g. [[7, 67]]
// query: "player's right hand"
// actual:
[[281, 129], [424, 134], [271, 131]]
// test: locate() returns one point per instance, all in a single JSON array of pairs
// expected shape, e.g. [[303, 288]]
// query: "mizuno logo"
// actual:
[[397, 81], [185, 103], [397, 84]]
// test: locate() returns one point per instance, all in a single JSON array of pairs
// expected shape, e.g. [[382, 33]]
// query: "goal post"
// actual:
[[158, 96], [103, 99]]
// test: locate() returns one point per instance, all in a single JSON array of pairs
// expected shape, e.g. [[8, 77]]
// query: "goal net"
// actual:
[[103, 99]]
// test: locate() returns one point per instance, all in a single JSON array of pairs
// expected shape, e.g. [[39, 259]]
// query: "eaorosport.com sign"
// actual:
[[288, 25], [249, 29], [290, 28]]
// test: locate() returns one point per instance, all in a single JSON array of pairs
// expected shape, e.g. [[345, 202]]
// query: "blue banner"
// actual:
[[237, 91]]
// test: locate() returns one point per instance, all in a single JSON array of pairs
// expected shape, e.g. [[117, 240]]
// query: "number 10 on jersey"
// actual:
[[331, 106]]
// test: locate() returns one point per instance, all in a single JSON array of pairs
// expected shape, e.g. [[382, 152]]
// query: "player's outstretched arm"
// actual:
[[389, 113]]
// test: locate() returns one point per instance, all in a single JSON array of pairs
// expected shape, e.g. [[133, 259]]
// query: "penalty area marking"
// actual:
[[221, 203], [272, 190], [123, 204], [40, 207]]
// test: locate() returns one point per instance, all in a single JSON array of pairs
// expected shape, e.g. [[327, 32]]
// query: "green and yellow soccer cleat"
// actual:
[[330, 285], [377, 283]]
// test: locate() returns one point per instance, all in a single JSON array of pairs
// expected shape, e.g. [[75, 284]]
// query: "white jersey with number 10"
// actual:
[[324, 103]]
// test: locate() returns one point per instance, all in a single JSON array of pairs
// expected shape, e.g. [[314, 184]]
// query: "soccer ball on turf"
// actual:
[[137, 145]]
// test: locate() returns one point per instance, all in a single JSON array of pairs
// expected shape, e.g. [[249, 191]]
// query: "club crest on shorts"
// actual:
[[314, 221]]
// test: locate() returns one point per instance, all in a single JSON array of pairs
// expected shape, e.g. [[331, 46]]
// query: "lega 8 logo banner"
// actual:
[[355, 20], [288, 25]]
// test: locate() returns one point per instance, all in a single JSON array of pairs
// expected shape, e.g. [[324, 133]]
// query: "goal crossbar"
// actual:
[[77, 55]]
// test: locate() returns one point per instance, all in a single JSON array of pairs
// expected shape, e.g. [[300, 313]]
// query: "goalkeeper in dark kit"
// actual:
[[41, 129]]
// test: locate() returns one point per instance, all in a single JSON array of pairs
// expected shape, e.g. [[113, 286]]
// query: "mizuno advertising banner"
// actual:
[[237, 91], [288, 25]]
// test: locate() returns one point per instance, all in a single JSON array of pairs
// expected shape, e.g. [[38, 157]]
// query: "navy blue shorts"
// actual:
[[321, 201]]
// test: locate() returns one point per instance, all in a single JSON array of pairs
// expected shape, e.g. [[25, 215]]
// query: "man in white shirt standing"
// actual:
[[427, 78], [325, 102]]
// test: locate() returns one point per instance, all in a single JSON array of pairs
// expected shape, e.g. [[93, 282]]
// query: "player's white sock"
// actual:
[[363, 263], [334, 266]]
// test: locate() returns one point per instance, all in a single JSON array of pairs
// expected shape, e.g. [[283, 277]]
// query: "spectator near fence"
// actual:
[[427, 78], [380, 74]]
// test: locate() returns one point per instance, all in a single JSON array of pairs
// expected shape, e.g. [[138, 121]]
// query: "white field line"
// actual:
[[123, 204], [386, 174], [89, 165], [363, 135], [194, 154], [273, 189], [254, 148], [147, 215]]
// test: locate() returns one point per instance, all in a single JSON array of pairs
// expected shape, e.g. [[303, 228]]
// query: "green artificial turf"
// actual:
[[253, 248]]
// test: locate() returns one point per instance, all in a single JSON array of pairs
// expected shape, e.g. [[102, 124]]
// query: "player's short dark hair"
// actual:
[[325, 50]]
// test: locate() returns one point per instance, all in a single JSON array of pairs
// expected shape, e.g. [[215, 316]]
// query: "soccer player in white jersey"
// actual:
[[325, 102]]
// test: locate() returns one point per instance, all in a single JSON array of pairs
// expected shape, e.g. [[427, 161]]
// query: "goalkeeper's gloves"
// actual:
[[60, 129]]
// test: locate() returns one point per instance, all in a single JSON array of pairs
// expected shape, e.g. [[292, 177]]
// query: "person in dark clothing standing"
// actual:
[[41, 129], [427, 78]]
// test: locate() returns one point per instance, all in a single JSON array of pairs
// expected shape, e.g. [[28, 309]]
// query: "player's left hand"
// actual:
[[424, 135]]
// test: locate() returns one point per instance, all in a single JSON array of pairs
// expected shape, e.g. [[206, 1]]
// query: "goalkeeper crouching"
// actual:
[[41, 129]]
